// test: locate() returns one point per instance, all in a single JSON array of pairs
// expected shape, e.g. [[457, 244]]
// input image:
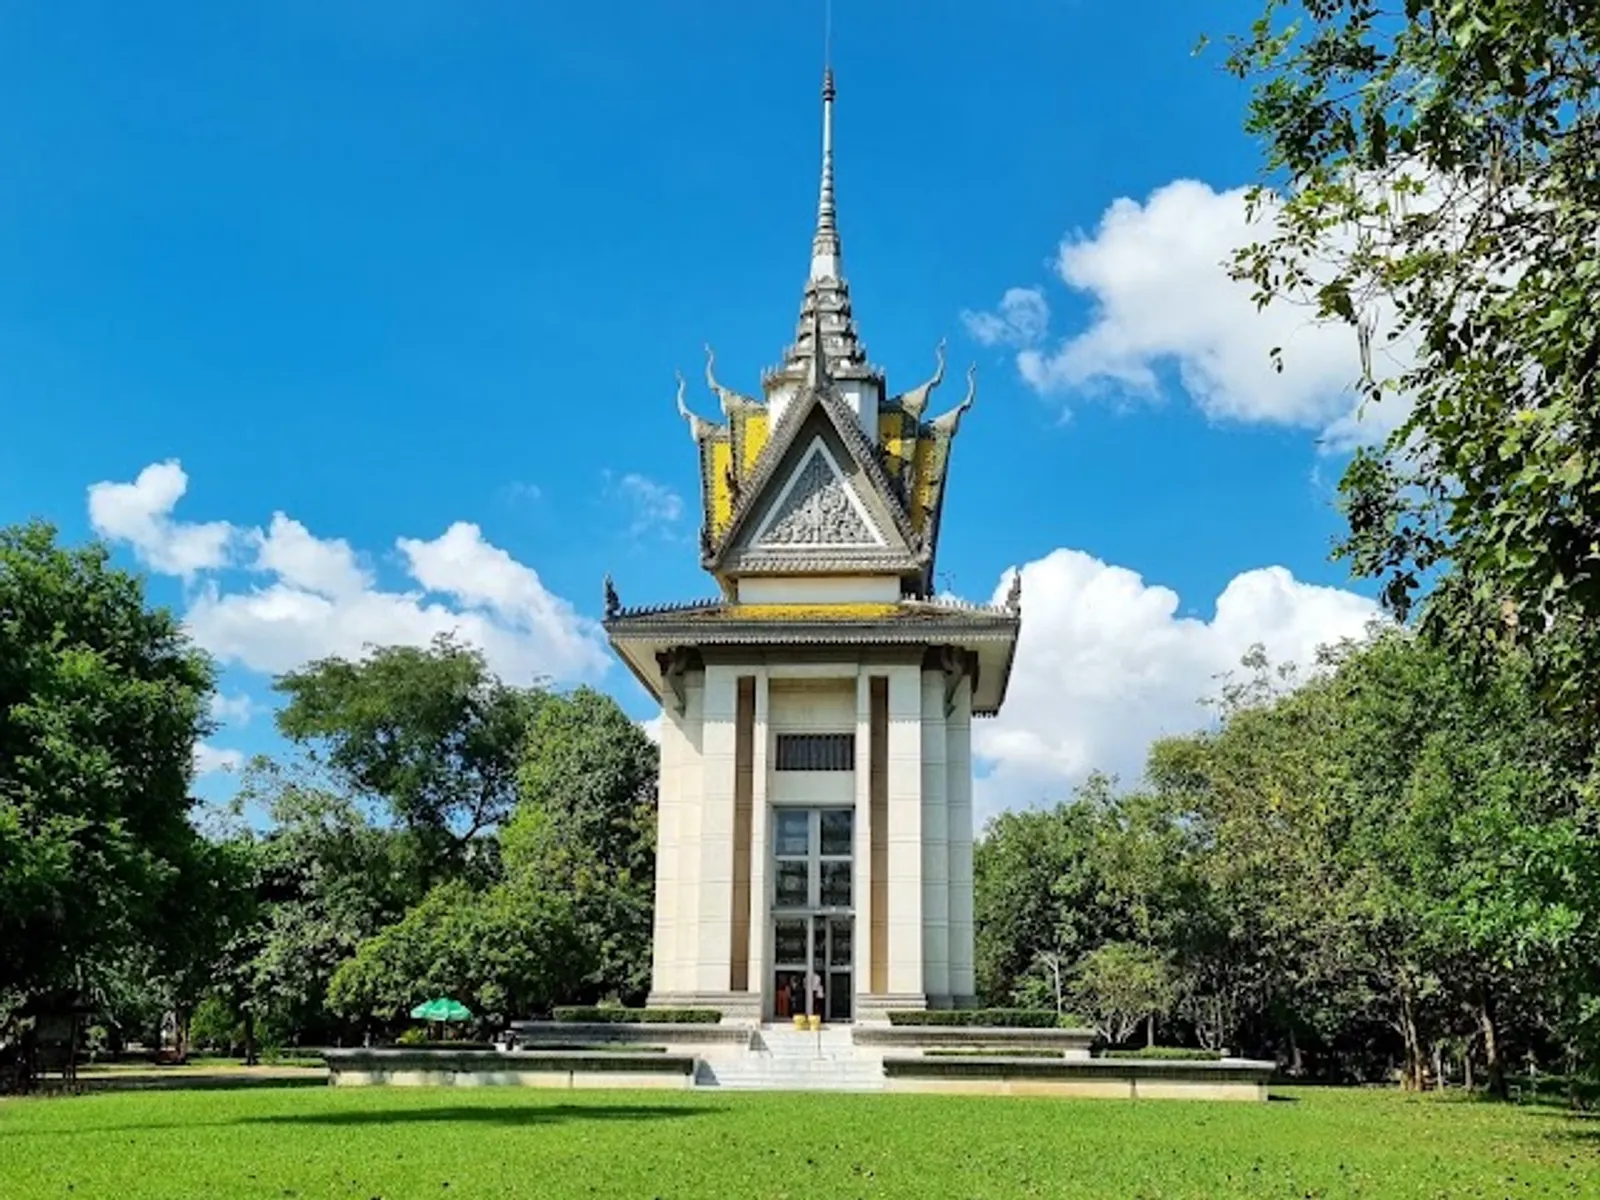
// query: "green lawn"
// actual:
[[399, 1144]]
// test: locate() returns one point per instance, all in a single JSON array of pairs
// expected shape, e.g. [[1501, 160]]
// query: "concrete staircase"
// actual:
[[783, 1059]]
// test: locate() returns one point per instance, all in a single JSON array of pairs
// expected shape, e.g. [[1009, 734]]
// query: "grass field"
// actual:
[[399, 1144]]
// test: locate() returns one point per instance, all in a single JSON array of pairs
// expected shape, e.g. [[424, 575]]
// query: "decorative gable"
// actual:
[[817, 508]]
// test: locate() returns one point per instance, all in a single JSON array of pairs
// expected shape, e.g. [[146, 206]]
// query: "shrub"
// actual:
[[613, 1015], [990, 1052], [1167, 1053], [418, 1039], [988, 1018]]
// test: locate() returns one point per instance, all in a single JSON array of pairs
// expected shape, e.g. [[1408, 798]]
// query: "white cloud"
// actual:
[[651, 728], [1156, 277], [327, 567], [1106, 665], [233, 710], [1022, 319], [209, 760], [139, 513], [319, 599], [655, 507]]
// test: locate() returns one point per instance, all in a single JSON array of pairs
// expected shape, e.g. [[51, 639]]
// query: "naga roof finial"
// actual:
[[951, 421], [727, 397], [1014, 594], [613, 603], [916, 400], [697, 427]]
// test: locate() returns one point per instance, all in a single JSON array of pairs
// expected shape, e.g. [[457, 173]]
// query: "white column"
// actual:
[[760, 855], [935, 842], [905, 831], [669, 807], [714, 883], [687, 801], [958, 753], [861, 888]]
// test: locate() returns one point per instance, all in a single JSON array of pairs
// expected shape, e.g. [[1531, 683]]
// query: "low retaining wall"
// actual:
[[684, 1039], [402, 1067], [1113, 1078], [1070, 1043]]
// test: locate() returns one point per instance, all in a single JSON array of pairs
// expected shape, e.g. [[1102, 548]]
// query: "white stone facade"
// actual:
[[921, 907]]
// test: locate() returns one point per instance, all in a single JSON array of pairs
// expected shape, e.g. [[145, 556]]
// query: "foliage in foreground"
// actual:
[[1433, 185], [1391, 865], [405, 1144], [102, 878]]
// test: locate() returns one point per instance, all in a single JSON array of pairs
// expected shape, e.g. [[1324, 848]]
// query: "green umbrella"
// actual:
[[442, 1009]]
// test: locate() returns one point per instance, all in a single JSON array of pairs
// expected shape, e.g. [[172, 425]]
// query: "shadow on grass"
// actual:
[[488, 1114]]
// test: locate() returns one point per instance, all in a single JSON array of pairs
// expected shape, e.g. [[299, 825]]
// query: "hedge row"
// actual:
[[1167, 1053], [992, 1052], [612, 1015], [989, 1018]]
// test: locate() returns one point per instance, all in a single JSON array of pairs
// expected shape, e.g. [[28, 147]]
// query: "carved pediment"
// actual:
[[817, 508]]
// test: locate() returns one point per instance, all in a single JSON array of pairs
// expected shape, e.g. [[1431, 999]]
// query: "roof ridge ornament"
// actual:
[[916, 400], [727, 397], [1014, 594], [951, 421], [817, 377], [698, 427]]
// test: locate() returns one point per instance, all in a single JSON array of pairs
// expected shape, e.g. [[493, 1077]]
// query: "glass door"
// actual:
[[813, 921]]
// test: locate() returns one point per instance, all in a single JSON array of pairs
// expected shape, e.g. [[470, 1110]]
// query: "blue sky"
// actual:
[[417, 276]]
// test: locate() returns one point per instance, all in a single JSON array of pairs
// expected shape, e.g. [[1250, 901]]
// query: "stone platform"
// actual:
[[866, 1058]]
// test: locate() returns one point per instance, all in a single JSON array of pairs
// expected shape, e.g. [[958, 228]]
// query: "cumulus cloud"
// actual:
[[210, 760], [314, 597], [233, 710], [1022, 319], [139, 514], [1106, 665], [1161, 300], [655, 507]]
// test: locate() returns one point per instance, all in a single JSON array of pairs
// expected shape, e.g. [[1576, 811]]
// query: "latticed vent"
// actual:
[[816, 751]]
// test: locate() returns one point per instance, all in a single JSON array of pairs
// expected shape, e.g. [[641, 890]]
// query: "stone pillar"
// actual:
[[906, 984], [761, 859], [958, 755], [862, 886], [678, 850], [714, 880], [935, 844]]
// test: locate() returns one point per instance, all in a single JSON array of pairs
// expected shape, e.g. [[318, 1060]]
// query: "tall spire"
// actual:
[[825, 307], [825, 245]]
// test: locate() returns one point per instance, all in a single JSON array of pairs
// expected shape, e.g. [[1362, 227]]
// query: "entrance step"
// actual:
[[782, 1058]]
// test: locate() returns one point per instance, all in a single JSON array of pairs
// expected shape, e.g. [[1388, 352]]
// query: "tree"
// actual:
[[586, 824], [1433, 179], [323, 877], [102, 699], [431, 732], [504, 953], [1120, 985]]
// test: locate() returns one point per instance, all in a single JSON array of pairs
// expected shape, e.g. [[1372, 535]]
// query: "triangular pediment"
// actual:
[[816, 507], [817, 499]]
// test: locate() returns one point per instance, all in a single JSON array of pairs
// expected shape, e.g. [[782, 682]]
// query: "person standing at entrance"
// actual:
[[817, 994]]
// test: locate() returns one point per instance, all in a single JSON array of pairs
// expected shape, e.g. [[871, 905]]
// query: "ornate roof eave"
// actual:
[[842, 561], [644, 637]]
